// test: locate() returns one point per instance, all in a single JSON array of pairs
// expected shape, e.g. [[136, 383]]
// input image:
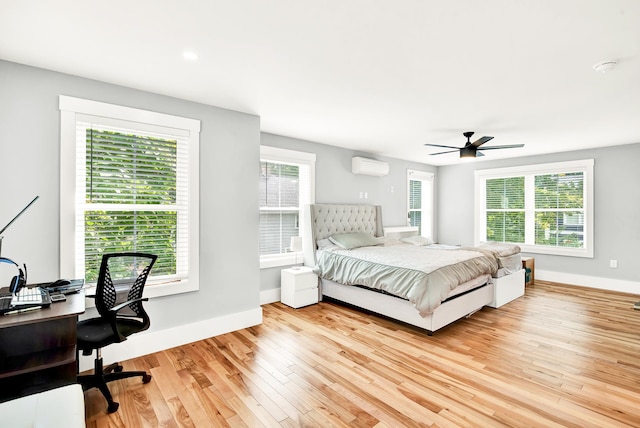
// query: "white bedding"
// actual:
[[425, 278], [507, 255]]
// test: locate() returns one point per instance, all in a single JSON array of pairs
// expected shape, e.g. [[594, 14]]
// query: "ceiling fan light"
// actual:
[[467, 152]]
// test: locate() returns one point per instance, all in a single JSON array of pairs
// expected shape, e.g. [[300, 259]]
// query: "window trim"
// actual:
[[584, 165], [276, 154], [423, 176], [71, 110]]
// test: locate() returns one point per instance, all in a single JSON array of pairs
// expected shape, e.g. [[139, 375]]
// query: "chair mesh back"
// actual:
[[122, 277]]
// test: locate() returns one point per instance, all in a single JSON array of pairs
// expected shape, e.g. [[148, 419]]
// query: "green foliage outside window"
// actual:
[[558, 209], [415, 204], [505, 227], [415, 194], [505, 209], [133, 170]]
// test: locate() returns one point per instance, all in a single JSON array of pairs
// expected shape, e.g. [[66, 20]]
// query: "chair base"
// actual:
[[102, 375]]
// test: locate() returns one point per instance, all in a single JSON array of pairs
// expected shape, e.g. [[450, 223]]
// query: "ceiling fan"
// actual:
[[472, 150]]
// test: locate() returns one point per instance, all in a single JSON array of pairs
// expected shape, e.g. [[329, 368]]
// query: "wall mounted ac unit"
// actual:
[[369, 166]]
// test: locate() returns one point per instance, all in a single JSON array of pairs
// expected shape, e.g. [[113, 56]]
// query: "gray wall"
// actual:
[[230, 278], [335, 183], [229, 153], [616, 216]]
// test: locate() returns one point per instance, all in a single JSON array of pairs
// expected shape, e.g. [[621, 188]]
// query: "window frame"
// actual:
[[428, 212], [73, 110], [585, 166], [278, 155]]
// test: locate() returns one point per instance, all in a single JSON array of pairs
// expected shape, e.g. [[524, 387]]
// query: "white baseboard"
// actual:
[[620, 285], [269, 296], [154, 341]]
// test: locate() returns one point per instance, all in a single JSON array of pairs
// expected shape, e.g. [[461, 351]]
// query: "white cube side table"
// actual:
[[298, 287]]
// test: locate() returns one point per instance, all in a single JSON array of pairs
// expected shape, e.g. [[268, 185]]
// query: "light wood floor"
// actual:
[[559, 356]]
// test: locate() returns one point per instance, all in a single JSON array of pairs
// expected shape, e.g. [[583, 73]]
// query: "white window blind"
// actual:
[[559, 209], [505, 210], [420, 201], [544, 208], [129, 180], [286, 186], [132, 192]]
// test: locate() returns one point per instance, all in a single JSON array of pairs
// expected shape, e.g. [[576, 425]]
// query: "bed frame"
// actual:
[[323, 220]]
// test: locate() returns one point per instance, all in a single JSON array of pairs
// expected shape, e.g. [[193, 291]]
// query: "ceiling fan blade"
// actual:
[[441, 153], [438, 145], [512, 146], [481, 141]]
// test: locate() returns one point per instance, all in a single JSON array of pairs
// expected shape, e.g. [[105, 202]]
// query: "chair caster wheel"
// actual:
[[146, 378], [112, 407], [118, 369]]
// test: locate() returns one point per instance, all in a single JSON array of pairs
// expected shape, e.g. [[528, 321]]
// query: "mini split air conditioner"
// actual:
[[369, 167]]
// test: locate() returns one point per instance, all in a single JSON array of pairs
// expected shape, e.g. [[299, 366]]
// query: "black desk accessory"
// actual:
[[14, 219], [64, 286]]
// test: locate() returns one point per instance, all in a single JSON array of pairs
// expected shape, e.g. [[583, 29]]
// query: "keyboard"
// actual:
[[25, 298], [28, 296]]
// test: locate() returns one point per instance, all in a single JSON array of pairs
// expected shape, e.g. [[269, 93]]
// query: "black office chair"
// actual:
[[119, 302]]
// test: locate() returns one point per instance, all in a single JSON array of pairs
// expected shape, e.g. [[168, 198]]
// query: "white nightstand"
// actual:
[[298, 287]]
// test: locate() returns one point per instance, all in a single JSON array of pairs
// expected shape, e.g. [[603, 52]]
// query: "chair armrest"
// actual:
[[119, 307], [113, 312]]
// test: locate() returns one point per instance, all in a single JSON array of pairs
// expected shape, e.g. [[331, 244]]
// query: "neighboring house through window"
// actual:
[[286, 187], [129, 184], [543, 208]]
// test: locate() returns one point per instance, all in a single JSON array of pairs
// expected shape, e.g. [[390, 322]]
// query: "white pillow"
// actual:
[[324, 243], [349, 241], [418, 240], [387, 242]]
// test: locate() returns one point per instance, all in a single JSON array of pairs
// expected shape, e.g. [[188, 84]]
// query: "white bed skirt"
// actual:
[[402, 310]]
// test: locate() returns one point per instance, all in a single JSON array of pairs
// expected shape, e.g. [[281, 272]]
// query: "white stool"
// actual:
[[60, 407]]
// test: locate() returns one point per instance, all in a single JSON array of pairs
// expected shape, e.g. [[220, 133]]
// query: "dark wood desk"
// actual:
[[38, 348]]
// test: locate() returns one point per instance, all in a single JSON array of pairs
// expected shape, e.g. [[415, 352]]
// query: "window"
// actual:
[[129, 183], [544, 208], [420, 200], [286, 186]]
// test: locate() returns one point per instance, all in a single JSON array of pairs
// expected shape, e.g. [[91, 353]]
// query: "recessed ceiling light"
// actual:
[[603, 67], [191, 56]]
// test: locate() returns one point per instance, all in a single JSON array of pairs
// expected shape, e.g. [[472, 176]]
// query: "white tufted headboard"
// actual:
[[323, 220]]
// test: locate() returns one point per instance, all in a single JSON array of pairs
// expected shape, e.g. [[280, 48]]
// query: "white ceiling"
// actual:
[[380, 76]]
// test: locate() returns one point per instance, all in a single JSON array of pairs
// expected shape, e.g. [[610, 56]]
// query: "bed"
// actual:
[[509, 279], [387, 286]]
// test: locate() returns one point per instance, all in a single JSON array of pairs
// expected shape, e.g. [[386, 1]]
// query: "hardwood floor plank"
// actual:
[[243, 402], [180, 414], [159, 405], [560, 356]]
